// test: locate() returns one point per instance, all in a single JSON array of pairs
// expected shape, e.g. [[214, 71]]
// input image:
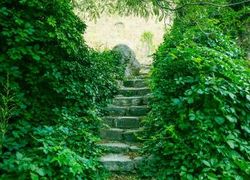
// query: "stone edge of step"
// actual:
[[120, 97], [134, 88], [119, 146], [126, 107], [120, 162], [123, 130]]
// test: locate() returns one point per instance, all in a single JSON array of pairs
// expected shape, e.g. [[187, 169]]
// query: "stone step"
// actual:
[[137, 83], [120, 162], [122, 176], [145, 70], [131, 135], [142, 76], [118, 147], [115, 134], [131, 91], [127, 111], [123, 122], [130, 101]]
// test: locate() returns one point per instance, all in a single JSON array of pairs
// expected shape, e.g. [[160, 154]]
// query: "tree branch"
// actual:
[[199, 4]]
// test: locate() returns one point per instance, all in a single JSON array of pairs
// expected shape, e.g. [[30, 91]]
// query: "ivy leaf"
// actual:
[[51, 21], [35, 57], [219, 120], [190, 100], [206, 163], [212, 176], [231, 143], [245, 166], [19, 155], [176, 101], [248, 97], [34, 176], [231, 118], [191, 116], [41, 172]]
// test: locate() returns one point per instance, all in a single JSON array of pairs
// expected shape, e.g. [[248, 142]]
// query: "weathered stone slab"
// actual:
[[128, 111], [112, 134], [108, 121], [138, 111], [130, 135], [116, 110], [134, 91], [134, 148], [123, 122], [127, 122], [119, 147], [118, 162], [135, 83], [115, 147], [130, 101]]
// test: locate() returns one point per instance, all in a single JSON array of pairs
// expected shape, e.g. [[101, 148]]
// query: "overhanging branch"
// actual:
[[158, 2]]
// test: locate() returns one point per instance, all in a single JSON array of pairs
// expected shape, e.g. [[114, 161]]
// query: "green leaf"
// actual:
[[243, 165], [248, 97], [231, 143], [176, 101], [212, 176], [36, 57], [220, 120], [192, 116], [19, 155], [190, 100], [34, 176], [41, 171], [231, 118], [206, 163], [51, 21]]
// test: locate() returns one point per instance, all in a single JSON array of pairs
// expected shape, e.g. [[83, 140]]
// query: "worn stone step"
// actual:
[[142, 76], [137, 83], [118, 147], [123, 176], [145, 70], [123, 122], [131, 91], [120, 162], [131, 135], [127, 111], [130, 101], [115, 134]]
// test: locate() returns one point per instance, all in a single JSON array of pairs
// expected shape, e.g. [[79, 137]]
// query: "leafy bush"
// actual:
[[199, 124], [58, 85]]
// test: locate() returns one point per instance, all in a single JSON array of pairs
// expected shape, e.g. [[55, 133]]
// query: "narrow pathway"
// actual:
[[122, 123]]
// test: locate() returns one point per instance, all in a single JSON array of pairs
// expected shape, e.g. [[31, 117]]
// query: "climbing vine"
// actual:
[[52, 89], [199, 124], [58, 86]]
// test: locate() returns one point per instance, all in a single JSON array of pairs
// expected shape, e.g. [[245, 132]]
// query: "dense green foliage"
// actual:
[[236, 23], [52, 87], [93, 9], [236, 20], [199, 124]]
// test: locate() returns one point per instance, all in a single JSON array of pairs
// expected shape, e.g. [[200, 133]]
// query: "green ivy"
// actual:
[[199, 124], [59, 86]]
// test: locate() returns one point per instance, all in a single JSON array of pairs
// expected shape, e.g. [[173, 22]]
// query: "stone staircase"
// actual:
[[122, 123]]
